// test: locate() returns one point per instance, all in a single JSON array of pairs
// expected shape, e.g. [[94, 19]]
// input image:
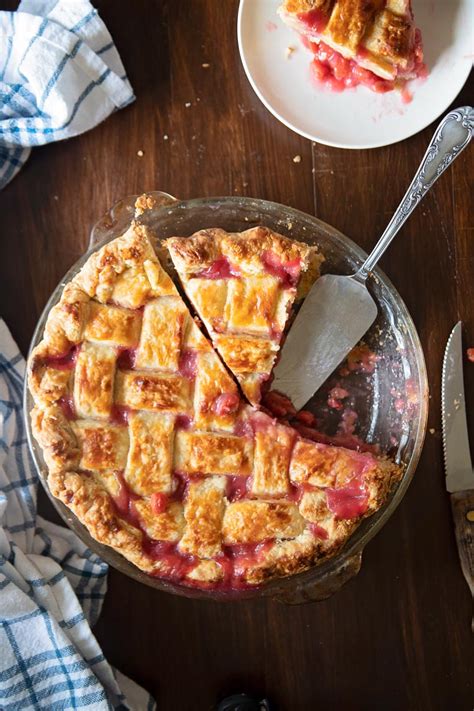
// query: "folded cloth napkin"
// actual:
[[60, 75], [51, 586]]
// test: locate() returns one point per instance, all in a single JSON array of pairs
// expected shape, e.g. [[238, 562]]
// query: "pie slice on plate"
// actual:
[[242, 286], [359, 41], [147, 440]]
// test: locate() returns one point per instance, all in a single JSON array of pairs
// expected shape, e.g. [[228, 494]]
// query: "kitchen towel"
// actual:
[[60, 75], [51, 586]]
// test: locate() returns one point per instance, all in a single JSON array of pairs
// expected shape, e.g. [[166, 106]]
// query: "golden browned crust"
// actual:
[[56, 437], [70, 447], [244, 249], [94, 459], [94, 508], [204, 511], [255, 521], [212, 453], [391, 38], [349, 21], [143, 390], [246, 314], [300, 6], [378, 35], [289, 557], [143, 203]]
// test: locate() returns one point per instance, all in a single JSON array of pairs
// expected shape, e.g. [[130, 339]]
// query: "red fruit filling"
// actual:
[[236, 487], [126, 358], [158, 503], [287, 272], [315, 20], [220, 269], [66, 404], [65, 361], [226, 404], [318, 531], [188, 364], [349, 501], [119, 415]]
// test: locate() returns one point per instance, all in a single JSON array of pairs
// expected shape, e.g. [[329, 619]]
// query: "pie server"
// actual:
[[339, 309], [457, 457]]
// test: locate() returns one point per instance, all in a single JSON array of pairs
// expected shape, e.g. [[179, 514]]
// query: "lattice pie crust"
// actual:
[[148, 439]]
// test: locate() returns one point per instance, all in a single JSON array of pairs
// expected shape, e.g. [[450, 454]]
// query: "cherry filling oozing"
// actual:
[[349, 441], [219, 269], [318, 531], [287, 272], [119, 415], [159, 502], [295, 493], [184, 422], [239, 558], [236, 487], [278, 404], [331, 69], [334, 71], [66, 403], [275, 332], [126, 358], [335, 397], [349, 501], [176, 565], [315, 20], [65, 361], [124, 502], [243, 428], [226, 404], [188, 363]]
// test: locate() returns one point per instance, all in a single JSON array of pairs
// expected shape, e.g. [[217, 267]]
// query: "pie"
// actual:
[[243, 287], [371, 42], [149, 442]]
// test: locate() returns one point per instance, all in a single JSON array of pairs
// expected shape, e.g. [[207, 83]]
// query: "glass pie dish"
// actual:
[[388, 392]]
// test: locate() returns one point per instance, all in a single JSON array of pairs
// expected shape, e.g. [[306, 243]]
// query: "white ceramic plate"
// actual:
[[356, 118]]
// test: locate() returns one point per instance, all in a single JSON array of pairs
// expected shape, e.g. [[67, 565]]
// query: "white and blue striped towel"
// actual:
[[51, 586], [60, 75]]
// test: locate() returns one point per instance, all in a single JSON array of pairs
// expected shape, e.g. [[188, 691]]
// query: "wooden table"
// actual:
[[398, 636]]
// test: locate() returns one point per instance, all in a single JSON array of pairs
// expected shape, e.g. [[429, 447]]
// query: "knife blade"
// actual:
[[457, 456]]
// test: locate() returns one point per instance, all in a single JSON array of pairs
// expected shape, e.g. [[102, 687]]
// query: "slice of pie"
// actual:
[[359, 41], [148, 441], [243, 286]]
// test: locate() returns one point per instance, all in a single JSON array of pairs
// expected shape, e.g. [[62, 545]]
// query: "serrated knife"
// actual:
[[457, 456]]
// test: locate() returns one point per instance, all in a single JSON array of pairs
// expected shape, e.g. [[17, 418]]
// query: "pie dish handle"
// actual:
[[322, 589], [116, 220]]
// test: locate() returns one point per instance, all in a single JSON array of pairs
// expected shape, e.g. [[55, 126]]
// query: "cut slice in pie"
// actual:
[[243, 285], [359, 41], [147, 440]]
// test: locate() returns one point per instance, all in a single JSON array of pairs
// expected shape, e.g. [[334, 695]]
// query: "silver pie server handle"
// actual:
[[449, 140]]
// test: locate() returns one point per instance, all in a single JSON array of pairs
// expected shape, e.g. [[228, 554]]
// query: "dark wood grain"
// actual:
[[397, 636]]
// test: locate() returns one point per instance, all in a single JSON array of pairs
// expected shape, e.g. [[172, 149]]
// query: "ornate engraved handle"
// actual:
[[451, 137]]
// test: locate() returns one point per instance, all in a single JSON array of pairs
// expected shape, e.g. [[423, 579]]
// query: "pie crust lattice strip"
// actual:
[[149, 442], [243, 287]]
